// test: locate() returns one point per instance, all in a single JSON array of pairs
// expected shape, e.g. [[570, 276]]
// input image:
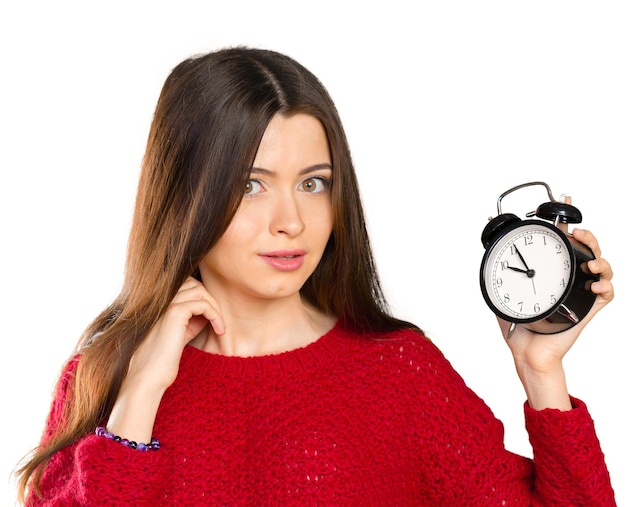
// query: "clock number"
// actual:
[[521, 306], [498, 282], [566, 264], [504, 265], [537, 308], [562, 284], [552, 299], [559, 248], [528, 240], [506, 298]]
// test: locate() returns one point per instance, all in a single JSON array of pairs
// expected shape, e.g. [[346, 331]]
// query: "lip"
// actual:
[[284, 260]]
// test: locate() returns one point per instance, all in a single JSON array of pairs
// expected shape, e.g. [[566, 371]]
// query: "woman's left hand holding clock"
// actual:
[[539, 357]]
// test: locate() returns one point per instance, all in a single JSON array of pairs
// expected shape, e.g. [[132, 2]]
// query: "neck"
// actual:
[[265, 327]]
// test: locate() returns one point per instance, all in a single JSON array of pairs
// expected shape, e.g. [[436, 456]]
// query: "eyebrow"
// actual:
[[306, 170]]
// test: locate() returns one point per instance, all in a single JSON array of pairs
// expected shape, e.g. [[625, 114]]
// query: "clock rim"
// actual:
[[554, 308]]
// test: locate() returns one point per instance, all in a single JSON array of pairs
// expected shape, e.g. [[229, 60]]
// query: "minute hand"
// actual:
[[529, 272]]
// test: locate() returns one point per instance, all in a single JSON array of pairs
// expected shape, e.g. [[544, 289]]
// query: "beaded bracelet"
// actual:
[[154, 444]]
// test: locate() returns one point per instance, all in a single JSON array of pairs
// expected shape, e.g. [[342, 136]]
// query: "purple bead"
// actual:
[[154, 444]]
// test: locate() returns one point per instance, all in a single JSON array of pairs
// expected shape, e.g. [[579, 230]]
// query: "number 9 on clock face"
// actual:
[[527, 272]]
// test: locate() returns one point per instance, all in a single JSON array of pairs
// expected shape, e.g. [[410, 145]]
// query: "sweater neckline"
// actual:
[[325, 349]]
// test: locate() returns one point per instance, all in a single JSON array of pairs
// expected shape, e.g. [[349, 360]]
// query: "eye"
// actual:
[[253, 187], [314, 184]]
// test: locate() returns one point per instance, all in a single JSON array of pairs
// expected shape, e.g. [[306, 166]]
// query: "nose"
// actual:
[[286, 215]]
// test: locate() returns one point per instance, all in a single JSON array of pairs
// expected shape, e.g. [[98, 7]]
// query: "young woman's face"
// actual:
[[281, 228]]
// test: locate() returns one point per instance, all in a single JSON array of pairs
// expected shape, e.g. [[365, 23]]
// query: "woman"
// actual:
[[251, 336]]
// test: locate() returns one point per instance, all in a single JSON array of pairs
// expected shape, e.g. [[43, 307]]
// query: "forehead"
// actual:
[[293, 141]]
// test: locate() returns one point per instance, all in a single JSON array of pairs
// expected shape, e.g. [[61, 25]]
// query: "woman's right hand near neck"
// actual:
[[154, 365]]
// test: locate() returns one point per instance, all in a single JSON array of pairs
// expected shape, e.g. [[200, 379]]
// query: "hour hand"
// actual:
[[519, 270]]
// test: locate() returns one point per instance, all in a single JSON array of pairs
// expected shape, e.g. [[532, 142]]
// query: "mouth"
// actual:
[[284, 260], [285, 254]]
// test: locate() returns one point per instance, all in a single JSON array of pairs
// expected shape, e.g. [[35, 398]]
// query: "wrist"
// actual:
[[545, 388], [153, 445], [134, 412]]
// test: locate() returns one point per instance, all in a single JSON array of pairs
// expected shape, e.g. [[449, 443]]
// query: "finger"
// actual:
[[189, 314], [603, 289], [601, 267], [566, 199], [189, 284], [587, 238], [191, 291]]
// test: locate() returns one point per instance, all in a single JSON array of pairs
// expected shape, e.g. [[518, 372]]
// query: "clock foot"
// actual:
[[511, 330], [569, 314]]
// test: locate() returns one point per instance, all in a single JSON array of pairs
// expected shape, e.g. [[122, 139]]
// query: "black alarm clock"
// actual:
[[534, 274]]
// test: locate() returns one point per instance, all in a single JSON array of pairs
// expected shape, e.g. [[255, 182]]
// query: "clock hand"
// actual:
[[520, 256], [529, 272], [519, 270]]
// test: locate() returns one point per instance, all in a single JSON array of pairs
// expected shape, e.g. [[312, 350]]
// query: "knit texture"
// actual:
[[345, 421]]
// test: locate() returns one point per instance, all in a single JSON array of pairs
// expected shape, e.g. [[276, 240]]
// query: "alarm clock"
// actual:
[[532, 273]]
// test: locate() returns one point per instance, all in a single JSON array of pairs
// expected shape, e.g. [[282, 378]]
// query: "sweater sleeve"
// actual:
[[462, 436], [568, 457], [94, 470]]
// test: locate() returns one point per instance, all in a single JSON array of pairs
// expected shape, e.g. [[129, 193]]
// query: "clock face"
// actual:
[[527, 272]]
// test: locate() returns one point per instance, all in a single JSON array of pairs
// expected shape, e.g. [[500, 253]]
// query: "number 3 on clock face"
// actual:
[[527, 272]]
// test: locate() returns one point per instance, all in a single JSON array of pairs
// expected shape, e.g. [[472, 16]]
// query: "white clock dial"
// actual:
[[527, 272]]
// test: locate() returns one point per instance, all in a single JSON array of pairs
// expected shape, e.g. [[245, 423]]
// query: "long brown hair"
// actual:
[[209, 120]]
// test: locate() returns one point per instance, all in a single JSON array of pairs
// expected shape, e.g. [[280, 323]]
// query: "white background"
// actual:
[[446, 104]]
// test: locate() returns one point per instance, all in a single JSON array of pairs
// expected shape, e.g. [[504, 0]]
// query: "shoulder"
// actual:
[[65, 381], [400, 342], [64, 387], [402, 350], [69, 368], [407, 369]]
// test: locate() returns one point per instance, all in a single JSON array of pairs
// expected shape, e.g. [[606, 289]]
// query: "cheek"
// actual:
[[325, 217], [320, 222], [326, 226], [243, 229]]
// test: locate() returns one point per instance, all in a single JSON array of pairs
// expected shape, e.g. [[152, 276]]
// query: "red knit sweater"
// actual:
[[345, 421]]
